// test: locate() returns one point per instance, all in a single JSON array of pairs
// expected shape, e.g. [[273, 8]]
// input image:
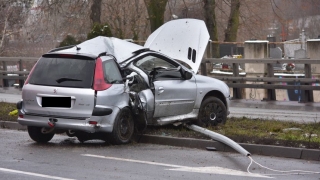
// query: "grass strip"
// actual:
[[5, 109], [241, 130], [254, 131]]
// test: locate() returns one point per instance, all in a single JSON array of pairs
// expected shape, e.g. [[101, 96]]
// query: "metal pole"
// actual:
[[220, 138], [21, 81]]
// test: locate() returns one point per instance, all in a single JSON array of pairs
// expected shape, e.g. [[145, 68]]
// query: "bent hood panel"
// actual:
[[119, 48], [182, 39]]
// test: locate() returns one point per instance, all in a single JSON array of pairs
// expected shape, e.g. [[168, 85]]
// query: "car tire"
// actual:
[[123, 128], [212, 112], [36, 134]]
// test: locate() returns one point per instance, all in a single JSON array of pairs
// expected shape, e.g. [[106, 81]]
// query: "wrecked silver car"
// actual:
[[106, 88]]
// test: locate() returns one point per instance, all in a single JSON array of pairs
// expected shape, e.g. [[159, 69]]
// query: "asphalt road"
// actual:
[[65, 158], [285, 114]]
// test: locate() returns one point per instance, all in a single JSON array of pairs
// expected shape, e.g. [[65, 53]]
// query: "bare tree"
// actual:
[[12, 17], [53, 20], [95, 13], [156, 9], [127, 19], [210, 19], [233, 22]]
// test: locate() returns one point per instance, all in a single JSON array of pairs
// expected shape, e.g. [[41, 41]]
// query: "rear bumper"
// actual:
[[104, 123]]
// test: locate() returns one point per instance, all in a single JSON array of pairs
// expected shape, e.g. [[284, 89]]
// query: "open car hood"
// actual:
[[119, 48], [182, 39]]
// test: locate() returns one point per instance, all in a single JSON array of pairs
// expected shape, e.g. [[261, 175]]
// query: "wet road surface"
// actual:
[[66, 158]]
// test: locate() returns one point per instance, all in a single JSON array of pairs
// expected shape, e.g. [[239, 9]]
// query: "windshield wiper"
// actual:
[[60, 80]]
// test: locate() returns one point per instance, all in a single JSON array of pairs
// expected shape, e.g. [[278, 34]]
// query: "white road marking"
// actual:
[[218, 170], [210, 170], [33, 174]]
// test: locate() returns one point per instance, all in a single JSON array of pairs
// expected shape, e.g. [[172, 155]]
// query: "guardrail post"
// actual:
[[203, 69], [236, 91], [307, 94], [256, 49], [5, 81], [313, 53], [21, 81], [271, 93]]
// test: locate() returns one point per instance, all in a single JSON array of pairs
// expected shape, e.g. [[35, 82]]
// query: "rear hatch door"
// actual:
[[60, 85]]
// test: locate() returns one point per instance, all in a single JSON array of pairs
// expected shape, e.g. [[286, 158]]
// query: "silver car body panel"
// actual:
[[119, 48], [207, 84], [182, 39], [172, 119], [170, 100], [82, 100], [147, 99], [105, 123], [114, 96]]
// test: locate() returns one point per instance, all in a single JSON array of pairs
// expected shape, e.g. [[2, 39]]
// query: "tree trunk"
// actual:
[[4, 30], [233, 23], [210, 19], [95, 13], [156, 9]]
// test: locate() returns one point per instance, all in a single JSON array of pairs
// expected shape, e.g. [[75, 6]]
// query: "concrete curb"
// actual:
[[266, 150], [12, 125]]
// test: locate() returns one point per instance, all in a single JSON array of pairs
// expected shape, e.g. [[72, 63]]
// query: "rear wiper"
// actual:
[[116, 81], [60, 80]]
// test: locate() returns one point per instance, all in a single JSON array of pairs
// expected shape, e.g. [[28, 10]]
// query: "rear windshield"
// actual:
[[63, 72]]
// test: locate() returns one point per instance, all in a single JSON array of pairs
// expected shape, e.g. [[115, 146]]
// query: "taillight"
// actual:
[[27, 80], [99, 83]]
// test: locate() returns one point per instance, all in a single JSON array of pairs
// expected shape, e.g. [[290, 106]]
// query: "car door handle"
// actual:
[[160, 90]]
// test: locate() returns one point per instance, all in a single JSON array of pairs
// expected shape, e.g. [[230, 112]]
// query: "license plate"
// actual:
[[61, 102]]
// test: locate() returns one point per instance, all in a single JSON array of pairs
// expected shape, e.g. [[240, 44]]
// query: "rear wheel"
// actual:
[[123, 127], [37, 134], [212, 112]]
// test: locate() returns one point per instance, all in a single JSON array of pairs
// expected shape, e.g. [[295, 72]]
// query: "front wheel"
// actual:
[[37, 134], [123, 127], [212, 112]]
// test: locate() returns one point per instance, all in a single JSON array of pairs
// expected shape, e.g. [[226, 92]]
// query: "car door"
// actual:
[[173, 94]]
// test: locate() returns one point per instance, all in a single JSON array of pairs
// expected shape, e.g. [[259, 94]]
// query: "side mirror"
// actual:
[[185, 74]]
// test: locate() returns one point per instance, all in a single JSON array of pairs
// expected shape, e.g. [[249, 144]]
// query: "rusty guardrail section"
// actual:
[[234, 81]]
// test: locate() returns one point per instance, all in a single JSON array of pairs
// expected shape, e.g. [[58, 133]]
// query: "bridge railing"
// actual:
[[268, 81], [235, 80], [20, 75]]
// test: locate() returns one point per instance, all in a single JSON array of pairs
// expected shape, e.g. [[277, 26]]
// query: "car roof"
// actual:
[[120, 49]]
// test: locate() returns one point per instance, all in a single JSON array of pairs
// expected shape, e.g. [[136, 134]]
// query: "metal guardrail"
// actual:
[[234, 81], [15, 75], [238, 83]]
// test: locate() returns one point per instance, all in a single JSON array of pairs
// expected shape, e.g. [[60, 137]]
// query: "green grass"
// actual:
[[256, 131], [272, 130], [5, 109]]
